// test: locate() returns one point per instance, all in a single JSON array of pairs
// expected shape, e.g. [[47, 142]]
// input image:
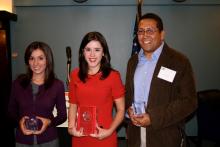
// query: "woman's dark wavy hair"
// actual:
[[105, 61], [26, 78]]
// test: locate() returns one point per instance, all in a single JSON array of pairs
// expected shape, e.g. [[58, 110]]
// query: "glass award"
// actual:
[[138, 108], [32, 124], [86, 119]]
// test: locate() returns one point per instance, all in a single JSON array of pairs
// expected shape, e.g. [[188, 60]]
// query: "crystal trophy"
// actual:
[[32, 124], [138, 107], [86, 119]]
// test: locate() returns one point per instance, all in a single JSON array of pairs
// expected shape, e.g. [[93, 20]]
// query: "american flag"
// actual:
[[135, 45]]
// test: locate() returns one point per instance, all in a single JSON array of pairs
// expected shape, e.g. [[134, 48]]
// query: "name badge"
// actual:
[[166, 74]]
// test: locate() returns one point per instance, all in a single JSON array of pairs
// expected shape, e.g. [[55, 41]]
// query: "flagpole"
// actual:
[[139, 9]]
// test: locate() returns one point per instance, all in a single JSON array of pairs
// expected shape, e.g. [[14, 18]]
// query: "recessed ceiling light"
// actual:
[[80, 1], [179, 0]]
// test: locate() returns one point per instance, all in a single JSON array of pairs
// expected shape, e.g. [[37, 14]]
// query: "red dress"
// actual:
[[99, 93]]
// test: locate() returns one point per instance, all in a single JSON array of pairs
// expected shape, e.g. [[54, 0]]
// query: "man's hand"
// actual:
[[142, 120]]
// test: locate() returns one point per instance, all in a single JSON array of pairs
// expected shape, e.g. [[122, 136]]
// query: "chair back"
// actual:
[[208, 115]]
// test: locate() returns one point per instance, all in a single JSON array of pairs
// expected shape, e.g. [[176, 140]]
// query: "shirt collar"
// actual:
[[155, 54]]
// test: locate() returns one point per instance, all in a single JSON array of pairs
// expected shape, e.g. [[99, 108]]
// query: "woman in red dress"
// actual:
[[96, 84]]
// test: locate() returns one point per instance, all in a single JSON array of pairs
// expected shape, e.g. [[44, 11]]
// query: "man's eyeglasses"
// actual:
[[148, 31]]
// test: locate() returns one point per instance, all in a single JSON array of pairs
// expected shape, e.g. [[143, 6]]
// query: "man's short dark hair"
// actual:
[[154, 17]]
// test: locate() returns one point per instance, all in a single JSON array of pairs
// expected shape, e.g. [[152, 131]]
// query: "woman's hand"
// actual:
[[23, 127], [73, 131], [72, 112], [101, 133], [45, 123]]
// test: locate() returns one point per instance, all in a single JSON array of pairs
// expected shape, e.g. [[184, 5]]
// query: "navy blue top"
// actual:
[[22, 104]]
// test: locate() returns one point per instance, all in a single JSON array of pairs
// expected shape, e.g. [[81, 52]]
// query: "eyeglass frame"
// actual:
[[149, 31]]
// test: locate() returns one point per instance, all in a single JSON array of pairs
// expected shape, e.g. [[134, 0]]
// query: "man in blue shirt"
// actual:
[[160, 89]]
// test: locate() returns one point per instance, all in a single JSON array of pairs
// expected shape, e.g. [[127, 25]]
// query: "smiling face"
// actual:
[[93, 53], [37, 62], [149, 36]]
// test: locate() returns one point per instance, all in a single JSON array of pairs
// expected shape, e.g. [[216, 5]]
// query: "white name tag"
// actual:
[[166, 74]]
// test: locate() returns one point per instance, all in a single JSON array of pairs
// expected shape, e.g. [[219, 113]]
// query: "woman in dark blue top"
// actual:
[[33, 98]]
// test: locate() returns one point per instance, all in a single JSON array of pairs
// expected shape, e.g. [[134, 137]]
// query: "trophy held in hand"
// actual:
[[86, 119]]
